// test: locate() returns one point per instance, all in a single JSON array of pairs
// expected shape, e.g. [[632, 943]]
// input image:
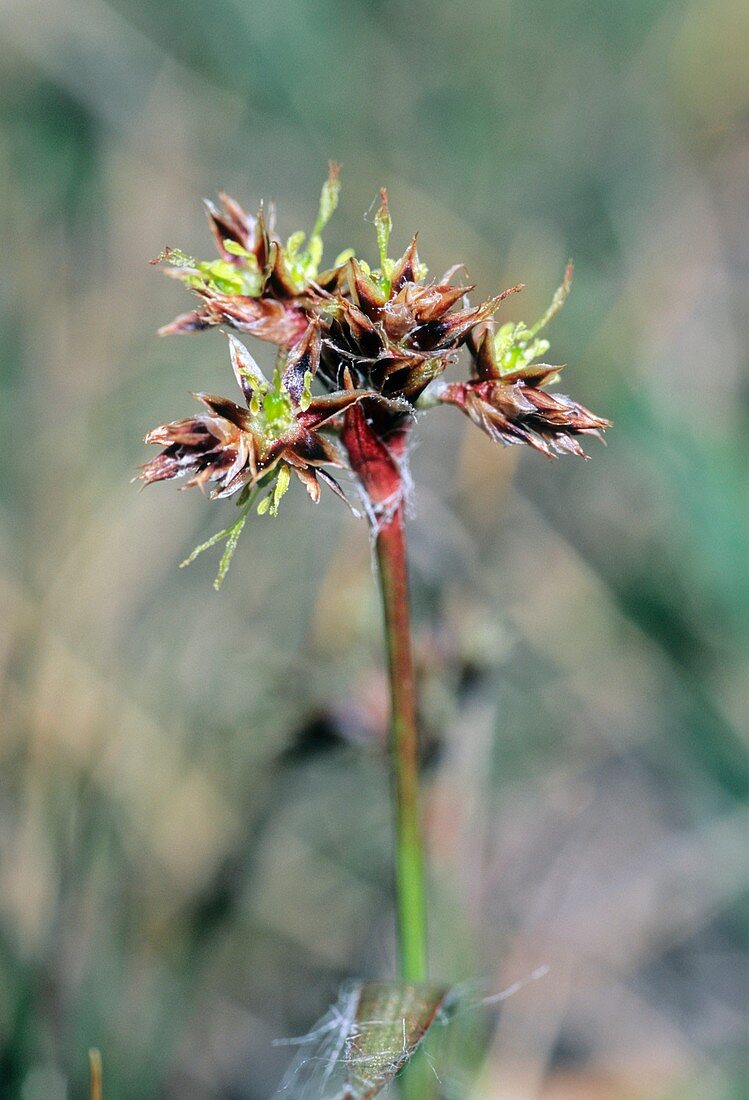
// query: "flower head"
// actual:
[[276, 432], [372, 343], [391, 328], [259, 285], [506, 397], [523, 412]]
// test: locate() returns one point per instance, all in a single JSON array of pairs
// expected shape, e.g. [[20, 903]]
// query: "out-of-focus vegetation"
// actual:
[[194, 844]]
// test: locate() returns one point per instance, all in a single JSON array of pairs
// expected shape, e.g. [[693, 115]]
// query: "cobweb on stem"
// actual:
[[371, 1032]]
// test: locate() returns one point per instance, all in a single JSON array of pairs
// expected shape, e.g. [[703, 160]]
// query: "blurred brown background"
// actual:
[[194, 844]]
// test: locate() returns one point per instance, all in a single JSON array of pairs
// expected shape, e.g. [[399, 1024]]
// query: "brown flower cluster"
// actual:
[[360, 352], [236, 447]]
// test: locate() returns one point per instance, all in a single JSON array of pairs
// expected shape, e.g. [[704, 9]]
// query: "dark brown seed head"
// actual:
[[512, 412]]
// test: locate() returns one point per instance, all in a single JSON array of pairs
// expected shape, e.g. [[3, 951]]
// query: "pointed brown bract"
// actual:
[[302, 361], [275, 322], [406, 269], [453, 330], [232, 224]]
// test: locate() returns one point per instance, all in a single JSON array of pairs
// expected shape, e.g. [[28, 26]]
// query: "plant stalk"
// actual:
[[404, 754], [94, 1062]]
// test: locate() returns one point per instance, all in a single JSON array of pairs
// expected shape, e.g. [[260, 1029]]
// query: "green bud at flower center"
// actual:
[[275, 413]]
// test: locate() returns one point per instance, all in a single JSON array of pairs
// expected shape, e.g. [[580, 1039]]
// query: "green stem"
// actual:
[[404, 754]]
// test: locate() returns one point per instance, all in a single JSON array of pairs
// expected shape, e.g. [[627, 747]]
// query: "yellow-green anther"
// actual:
[[255, 402], [236, 249], [383, 227], [282, 484], [514, 347], [222, 276], [176, 257], [328, 200], [306, 399], [343, 257], [313, 255], [295, 242], [263, 506], [277, 408]]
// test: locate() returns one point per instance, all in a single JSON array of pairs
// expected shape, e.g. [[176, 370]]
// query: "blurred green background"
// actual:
[[194, 845]]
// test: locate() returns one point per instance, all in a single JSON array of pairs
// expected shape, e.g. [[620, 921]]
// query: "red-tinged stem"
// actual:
[[404, 753]]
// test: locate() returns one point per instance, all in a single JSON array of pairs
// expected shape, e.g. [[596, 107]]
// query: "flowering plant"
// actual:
[[361, 353]]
